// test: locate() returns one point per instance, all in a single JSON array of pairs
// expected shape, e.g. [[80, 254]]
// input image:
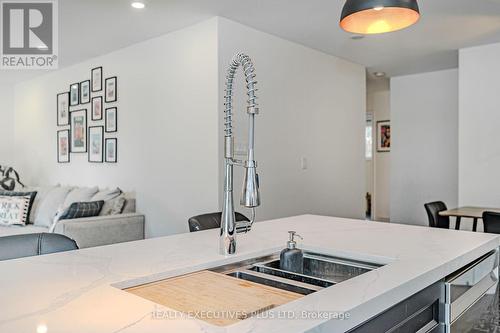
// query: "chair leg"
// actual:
[[474, 226], [457, 223]]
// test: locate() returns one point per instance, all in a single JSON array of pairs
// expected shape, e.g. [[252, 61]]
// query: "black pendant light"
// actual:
[[378, 16]]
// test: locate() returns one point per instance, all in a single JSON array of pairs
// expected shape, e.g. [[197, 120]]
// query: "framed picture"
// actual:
[[111, 150], [97, 108], [96, 77], [63, 139], [85, 92], [78, 142], [383, 136], [111, 120], [63, 109], [111, 85], [96, 144], [74, 94]]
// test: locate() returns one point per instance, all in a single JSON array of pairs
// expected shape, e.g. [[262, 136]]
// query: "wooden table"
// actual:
[[474, 213]]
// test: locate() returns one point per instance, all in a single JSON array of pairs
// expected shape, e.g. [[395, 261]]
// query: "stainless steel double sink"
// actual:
[[319, 271]]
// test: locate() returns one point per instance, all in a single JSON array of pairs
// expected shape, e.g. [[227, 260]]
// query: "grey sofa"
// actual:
[[87, 232], [103, 230]]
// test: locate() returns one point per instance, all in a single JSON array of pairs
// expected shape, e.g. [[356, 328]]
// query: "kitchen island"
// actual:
[[80, 291]]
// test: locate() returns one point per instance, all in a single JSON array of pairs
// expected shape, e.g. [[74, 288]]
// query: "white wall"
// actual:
[[479, 140], [312, 105], [378, 103], [425, 144], [170, 126], [167, 139], [6, 125]]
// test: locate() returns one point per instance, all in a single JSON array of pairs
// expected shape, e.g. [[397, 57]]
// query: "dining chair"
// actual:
[[491, 222], [436, 220], [27, 245], [211, 221]]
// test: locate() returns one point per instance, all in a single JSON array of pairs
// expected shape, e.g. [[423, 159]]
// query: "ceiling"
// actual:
[[88, 28]]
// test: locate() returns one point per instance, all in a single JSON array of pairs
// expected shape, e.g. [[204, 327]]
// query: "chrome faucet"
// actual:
[[250, 196]]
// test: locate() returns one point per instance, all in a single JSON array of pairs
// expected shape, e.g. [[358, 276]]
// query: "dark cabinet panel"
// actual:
[[419, 313]]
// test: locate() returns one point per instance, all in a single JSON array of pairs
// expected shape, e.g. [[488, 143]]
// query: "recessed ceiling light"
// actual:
[[138, 5], [379, 74], [42, 328]]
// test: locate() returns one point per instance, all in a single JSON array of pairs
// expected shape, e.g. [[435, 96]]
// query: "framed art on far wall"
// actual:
[[63, 109], [74, 94], [96, 77], [78, 141], [63, 139], [111, 150], [111, 86], [111, 120], [97, 108], [96, 144], [383, 136], [85, 92]]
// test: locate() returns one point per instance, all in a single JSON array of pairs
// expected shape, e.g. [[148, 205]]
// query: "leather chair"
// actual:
[[436, 220], [27, 245], [211, 221], [491, 222]]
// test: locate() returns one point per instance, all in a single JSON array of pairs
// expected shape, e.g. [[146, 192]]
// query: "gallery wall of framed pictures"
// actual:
[[78, 133]]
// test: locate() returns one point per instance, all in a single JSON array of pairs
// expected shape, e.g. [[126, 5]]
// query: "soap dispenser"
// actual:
[[292, 258]]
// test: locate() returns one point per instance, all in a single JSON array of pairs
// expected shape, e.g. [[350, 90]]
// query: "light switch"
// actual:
[[303, 163]]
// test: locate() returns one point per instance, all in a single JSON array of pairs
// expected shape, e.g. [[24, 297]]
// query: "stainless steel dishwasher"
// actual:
[[471, 297]]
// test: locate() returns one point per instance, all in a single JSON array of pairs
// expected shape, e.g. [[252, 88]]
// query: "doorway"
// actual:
[[377, 157]]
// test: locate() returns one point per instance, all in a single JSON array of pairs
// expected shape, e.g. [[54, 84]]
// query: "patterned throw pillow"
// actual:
[[14, 210], [82, 209], [113, 206], [30, 194], [107, 194]]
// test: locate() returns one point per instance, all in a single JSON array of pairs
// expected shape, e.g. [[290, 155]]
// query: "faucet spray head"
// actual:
[[250, 196]]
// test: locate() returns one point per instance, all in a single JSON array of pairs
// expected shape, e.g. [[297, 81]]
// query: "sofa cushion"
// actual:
[[41, 193], [130, 203], [14, 210], [31, 194], [82, 209], [114, 206], [19, 230], [49, 206], [106, 194], [80, 194]]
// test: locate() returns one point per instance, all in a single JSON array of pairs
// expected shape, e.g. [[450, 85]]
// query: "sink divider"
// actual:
[[275, 281], [297, 277]]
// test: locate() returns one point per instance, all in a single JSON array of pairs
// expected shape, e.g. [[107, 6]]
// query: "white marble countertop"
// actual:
[[72, 292]]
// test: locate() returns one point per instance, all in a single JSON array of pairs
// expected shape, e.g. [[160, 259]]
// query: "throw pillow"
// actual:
[[82, 209], [114, 206], [49, 206], [60, 212], [31, 196], [129, 207], [80, 194], [42, 192], [14, 210], [106, 194]]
